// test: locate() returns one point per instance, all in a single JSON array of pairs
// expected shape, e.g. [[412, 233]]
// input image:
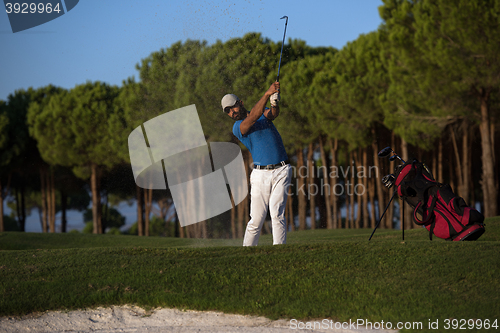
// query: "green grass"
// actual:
[[319, 274]]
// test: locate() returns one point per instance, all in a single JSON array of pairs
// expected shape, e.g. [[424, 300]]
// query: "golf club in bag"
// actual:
[[442, 213]]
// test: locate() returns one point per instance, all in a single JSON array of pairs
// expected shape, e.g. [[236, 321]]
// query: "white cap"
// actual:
[[229, 101]]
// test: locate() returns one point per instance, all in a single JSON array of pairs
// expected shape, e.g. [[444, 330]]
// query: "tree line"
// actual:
[[426, 83]]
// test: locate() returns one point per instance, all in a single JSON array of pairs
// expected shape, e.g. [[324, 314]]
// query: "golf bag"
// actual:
[[442, 212]]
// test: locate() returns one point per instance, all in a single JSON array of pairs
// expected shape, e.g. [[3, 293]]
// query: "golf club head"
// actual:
[[389, 180], [284, 17], [385, 152]]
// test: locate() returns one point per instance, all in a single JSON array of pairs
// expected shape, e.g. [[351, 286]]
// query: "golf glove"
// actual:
[[274, 99]]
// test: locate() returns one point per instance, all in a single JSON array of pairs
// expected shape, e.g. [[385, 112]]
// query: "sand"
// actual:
[[135, 319]]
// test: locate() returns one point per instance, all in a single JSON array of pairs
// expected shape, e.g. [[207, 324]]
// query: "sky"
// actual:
[[104, 40]]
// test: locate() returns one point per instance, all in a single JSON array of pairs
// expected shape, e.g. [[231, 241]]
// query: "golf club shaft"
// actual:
[[381, 217], [282, 44]]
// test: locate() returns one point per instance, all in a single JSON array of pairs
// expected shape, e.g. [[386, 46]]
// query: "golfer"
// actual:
[[271, 175]]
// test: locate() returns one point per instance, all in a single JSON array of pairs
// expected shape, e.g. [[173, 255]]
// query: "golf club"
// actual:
[[386, 152], [282, 44], [393, 157], [388, 180]]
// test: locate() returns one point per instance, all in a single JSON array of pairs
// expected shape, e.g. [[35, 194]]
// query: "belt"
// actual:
[[271, 166]]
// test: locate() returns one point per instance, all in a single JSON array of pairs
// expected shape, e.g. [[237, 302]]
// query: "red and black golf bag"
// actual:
[[441, 212]]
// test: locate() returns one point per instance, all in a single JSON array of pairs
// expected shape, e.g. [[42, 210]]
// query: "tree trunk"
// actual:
[[371, 196], [370, 181], [197, 230], [192, 231], [3, 194], [336, 222], [466, 168], [177, 226], [365, 188], [492, 133], [311, 186], [105, 214], [349, 192], [460, 173], [287, 213], [300, 190], [181, 230], [2, 226], [348, 217], [242, 223], [64, 204], [390, 211], [148, 203], [18, 205], [451, 171], [246, 214], [472, 153], [43, 180], [357, 198], [52, 216], [140, 230], [488, 171], [204, 230], [324, 184], [380, 192], [233, 219], [22, 210], [243, 206], [407, 209], [440, 161], [164, 206], [96, 199], [49, 199], [434, 164], [241, 218], [289, 203]]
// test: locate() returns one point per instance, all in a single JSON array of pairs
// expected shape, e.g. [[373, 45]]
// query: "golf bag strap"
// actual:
[[430, 212]]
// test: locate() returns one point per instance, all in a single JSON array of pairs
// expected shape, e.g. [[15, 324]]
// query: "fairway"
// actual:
[[147, 147], [319, 274]]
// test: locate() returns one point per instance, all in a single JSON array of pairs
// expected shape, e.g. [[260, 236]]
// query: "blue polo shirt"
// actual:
[[263, 141]]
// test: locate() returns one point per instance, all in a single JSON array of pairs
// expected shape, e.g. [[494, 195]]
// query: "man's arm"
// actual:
[[258, 109], [273, 112]]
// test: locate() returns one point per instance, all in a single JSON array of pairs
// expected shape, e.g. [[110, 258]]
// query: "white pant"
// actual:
[[268, 190]]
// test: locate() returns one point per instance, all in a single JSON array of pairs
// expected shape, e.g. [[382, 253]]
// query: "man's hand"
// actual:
[[258, 109], [274, 88], [274, 99]]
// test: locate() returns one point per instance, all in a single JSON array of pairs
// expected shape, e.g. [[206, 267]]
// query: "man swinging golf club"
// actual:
[[271, 176]]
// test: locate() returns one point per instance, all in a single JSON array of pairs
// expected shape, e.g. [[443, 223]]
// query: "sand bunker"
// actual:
[[136, 319]]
